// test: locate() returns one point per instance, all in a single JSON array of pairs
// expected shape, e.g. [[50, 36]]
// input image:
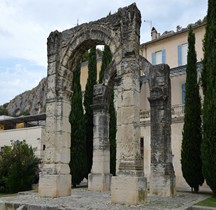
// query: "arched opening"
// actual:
[[120, 32]]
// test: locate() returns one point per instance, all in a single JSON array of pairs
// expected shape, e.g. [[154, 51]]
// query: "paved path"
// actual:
[[82, 199]]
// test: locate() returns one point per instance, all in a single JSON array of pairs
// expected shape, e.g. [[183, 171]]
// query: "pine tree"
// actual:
[[88, 100], [209, 106], [78, 163], [192, 136], [106, 59]]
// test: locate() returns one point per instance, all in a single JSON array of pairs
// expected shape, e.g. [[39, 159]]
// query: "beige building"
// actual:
[[170, 48], [28, 128]]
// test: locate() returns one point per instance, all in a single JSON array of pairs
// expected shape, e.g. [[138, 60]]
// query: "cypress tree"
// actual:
[[106, 59], [209, 106], [192, 136], [78, 163], [112, 136], [88, 100]]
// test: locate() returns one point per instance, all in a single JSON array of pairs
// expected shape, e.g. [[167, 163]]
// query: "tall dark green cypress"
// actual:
[[88, 100], [112, 136], [192, 136], [209, 106], [106, 59], [78, 163]]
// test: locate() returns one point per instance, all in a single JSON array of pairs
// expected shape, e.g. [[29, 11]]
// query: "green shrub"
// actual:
[[18, 167]]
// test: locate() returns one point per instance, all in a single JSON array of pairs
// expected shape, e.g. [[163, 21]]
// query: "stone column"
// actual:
[[55, 178], [129, 186], [162, 179], [100, 178]]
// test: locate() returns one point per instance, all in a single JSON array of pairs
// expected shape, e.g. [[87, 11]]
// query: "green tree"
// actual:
[[209, 106], [192, 135], [88, 100], [3, 110], [18, 167], [106, 59], [112, 136], [78, 163]]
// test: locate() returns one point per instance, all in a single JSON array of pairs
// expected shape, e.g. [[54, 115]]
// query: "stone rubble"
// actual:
[[82, 199]]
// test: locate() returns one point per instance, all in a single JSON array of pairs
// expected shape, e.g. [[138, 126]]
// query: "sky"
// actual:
[[26, 24]]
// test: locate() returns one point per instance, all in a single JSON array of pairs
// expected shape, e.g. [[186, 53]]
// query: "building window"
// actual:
[[159, 57], [182, 54], [44, 147]]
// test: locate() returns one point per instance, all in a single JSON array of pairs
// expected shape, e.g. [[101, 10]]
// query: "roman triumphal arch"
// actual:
[[121, 32]]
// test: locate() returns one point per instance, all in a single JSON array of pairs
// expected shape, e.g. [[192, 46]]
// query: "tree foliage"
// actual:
[[88, 100], [3, 110], [18, 167], [106, 59], [192, 136], [78, 163], [112, 136], [209, 106]]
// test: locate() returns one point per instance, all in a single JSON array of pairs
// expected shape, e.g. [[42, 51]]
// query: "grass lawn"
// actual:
[[210, 202], [7, 195]]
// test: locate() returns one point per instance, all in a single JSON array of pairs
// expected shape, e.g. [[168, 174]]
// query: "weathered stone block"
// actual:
[[129, 115], [63, 108], [63, 139], [99, 182], [129, 190], [54, 185], [53, 169], [162, 185], [130, 98], [131, 81], [101, 161], [57, 124]]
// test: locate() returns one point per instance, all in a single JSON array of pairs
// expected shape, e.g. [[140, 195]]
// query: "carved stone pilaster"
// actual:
[[162, 179], [100, 178]]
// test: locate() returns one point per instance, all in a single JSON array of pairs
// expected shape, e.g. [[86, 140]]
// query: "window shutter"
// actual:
[[183, 93], [153, 58], [163, 56], [179, 55]]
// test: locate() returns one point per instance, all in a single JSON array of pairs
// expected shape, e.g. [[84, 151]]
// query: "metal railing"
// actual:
[[177, 110]]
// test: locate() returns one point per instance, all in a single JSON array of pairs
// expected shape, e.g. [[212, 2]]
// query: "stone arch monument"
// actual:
[[121, 32]]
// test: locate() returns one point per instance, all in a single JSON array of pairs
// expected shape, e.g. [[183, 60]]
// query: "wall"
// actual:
[[177, 80], [170, 43], [33, 136]]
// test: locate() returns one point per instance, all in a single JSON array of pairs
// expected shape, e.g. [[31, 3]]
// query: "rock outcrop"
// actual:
[[30, 102]]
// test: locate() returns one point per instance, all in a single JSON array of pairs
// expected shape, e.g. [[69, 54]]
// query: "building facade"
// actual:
[[28, 128], [170, 48]]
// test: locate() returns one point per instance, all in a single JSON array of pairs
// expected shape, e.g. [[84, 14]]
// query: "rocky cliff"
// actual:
[[30, 102]]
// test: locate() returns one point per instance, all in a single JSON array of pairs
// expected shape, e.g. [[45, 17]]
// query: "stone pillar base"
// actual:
[[54, 185], [162, 186], [99, 182], [128, 190]]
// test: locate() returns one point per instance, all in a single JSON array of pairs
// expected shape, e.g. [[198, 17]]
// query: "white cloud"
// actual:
[[18, 78]]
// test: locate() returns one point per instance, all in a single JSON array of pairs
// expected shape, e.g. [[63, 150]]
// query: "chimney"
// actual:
[[154, 33]]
